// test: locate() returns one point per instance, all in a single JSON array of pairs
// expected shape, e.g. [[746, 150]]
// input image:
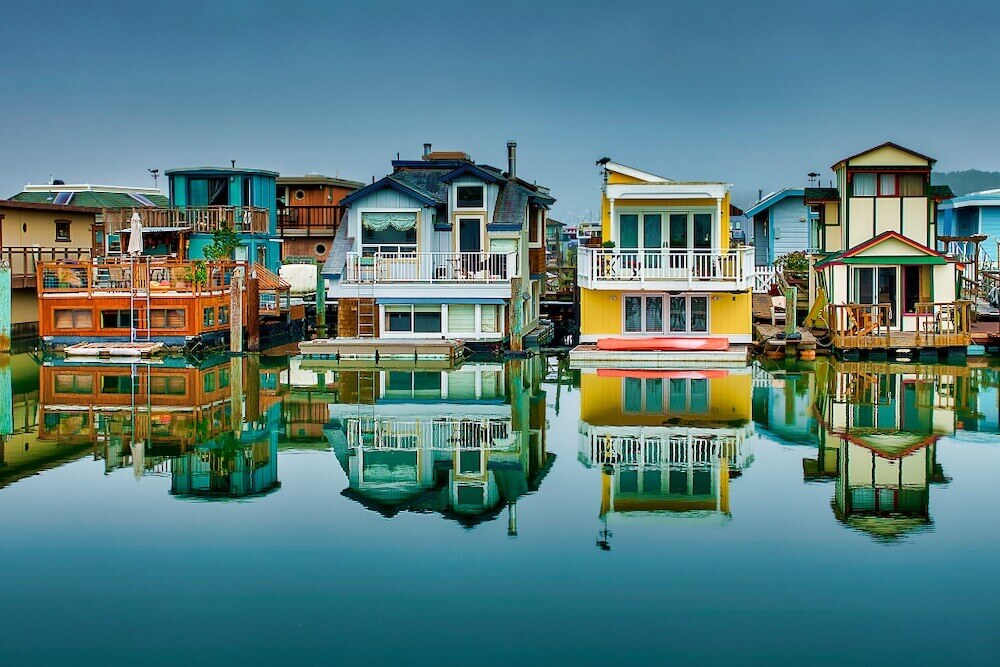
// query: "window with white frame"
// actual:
[[643, 313], [665, 395], [413, 318], [388, 232], [470, 196], [688, 314], [654, 230]]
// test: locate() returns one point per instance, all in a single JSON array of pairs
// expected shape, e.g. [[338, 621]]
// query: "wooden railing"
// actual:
[[643, 446], [712, 267], [944, 324], [431, 434], [861, 325], [111, 276], [201, 219], [430, 267], [310, 219], [873, 326], [23, 261]]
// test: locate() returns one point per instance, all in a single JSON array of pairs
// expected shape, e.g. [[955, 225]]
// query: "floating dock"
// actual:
[[379, 349], [773, 344], [588, 356], [112, 349]]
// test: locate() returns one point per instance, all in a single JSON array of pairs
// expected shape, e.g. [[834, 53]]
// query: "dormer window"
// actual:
[[470, 196]]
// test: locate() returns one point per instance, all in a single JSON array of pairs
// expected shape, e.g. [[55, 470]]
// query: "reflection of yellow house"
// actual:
[[879, 427], [668, 441], [670, 270]]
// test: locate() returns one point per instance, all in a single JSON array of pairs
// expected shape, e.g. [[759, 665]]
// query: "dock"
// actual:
[[378, 349], [772, 342], [111, 349], [588, 356]]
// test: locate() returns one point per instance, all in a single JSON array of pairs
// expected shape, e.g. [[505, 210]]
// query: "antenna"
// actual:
[[812, 177], [155, 173], [233, 163]]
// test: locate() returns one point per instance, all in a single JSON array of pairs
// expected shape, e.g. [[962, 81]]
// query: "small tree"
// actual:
[[224, 242], [794, 263]]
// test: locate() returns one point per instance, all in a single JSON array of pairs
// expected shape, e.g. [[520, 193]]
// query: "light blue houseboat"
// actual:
[[782, 223], [977, 213]]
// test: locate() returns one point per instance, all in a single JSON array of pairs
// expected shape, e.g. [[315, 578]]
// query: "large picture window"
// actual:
[[659, 395], [413, 319], [680, 230], [643, 313], [388, 232], [688, 314], [888, 185]]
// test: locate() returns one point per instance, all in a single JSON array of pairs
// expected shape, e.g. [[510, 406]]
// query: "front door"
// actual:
[[470, 235], [878, 285]]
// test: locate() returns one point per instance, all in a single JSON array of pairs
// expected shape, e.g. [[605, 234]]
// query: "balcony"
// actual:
[[431, 267], [197, 219], [23, 261], [666, 269], [309, 220]]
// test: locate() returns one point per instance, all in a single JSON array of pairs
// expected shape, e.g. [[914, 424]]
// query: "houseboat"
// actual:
[[782, 224], [879, 428], [443, 247], [667, 442], [163, 287], [465, 443], [309, 213], [666, 272], [878, 284]]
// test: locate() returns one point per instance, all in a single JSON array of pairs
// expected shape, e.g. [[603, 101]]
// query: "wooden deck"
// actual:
[[376, 349], [113, 349]]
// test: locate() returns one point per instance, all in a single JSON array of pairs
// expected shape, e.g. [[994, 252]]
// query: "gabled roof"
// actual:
[[93, 196], [772, 199], [625, 170], [428, 199], [483, 172], [845, 256], [940, 192], [319, 179], [887, 144]]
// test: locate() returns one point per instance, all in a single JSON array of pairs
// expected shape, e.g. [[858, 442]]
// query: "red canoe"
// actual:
[[663, 344], [672, 374]]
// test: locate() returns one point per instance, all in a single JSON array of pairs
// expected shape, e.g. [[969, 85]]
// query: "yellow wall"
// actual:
[[729, 312], [862, 217], [888, 214], [23, 305], [27, 227], [888, 156], [614, 178], [915, 222], [601, 402]]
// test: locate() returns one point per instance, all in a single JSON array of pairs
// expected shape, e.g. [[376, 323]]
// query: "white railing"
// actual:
[[430, 267], [649, 449], [764, 276], [723, 268], [437, 434]]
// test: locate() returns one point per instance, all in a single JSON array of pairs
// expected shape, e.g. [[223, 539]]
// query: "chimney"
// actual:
[[427, 150], [511, 159]]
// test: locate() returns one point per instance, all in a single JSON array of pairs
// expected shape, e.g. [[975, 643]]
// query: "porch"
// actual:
[[430, 267], [23, 261], [856, 326], [713, 269], [309, 220], [199, 219]]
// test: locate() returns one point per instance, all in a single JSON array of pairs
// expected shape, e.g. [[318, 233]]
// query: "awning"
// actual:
[[378, 222], [154, 230]]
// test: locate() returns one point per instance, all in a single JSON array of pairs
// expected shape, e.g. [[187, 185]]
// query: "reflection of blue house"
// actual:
[[247, 197], [782, 223], [971, 214]]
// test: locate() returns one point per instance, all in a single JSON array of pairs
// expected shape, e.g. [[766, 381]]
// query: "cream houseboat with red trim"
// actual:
[[878, 283]]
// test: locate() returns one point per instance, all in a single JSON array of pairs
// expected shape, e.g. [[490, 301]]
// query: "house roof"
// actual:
[[399, 185], [91, 198], [940, 192], [484, 172], [844, 257], [319, 179], [625, 170], [46, 206], [772, 199], [983, 198], [821, 194], [219, 170], [511, 205], [887, 144]]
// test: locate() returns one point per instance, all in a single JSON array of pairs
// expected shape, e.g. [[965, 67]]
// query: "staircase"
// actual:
[[139, 300]]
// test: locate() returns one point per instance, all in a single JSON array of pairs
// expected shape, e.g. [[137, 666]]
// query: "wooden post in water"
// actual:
[[320, 301], [253, 311], [236, 312], [236, 394], [252, 388], [515, 321], [5, 311], [6, 399]]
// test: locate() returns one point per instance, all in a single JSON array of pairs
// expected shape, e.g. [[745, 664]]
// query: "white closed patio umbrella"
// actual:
[[135, 235]]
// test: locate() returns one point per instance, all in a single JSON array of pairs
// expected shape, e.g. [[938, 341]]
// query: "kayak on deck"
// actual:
[[667, 374], [663, 344]]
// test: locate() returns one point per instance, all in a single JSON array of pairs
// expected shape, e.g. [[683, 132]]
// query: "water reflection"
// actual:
[[668, 443], [166, 417], [465, 443], [880, 425]]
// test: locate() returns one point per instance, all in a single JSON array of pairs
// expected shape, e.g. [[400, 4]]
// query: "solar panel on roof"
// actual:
[[142, 199], [63, 198]]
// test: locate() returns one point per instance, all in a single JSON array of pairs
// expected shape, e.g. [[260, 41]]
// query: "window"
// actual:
[[169, 385], [388, 240], [208, 192], [643, 314], [659, 395], [469, 196], [208, 317], [116, 319], [911, 185], [320, 249], [300, 195], [209, 382], [413, 319], [491, 319], [169, 318], [673, 229], [73, 319], [223, 314], [470, 462], [223, 378], [62, 230], [877, 286], [405, 384], [247, 191], [689, 314], [116, 384], [864, 185], [887, 185], [470, 495], [74, 384]]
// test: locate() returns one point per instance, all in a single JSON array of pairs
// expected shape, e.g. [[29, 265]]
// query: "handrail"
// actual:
[[201, 219], [324, 219], [126, 276], [430, 267], [23, 260], [692, 265]]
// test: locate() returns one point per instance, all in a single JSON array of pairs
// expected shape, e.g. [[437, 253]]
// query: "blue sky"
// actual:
[[757, 94]]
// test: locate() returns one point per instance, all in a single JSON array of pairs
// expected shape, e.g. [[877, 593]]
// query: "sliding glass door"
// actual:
[[878, 285]]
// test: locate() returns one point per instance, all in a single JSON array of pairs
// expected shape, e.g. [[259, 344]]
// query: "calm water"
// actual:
[[266, 510]]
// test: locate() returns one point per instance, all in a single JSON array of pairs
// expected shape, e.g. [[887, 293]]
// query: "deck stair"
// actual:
[[139, 301]]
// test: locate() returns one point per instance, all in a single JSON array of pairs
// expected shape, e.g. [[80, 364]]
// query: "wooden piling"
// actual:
[[5, 309], [320, 301], [236, 313], [253, 312]]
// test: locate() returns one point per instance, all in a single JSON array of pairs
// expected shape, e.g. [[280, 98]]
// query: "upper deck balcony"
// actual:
[[309, 220], [198, 219], [666, 269], [431, 267]]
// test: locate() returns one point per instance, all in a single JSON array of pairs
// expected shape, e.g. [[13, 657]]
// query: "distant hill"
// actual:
[[970, 180]]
